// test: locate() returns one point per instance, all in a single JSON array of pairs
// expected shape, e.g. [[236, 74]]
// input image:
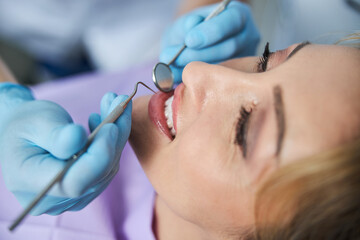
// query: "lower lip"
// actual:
[[156, 112]]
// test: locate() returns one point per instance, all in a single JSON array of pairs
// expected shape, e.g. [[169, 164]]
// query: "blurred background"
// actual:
[[42, 40]]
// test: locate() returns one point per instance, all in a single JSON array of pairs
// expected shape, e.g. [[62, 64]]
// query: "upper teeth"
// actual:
[[169, 115]]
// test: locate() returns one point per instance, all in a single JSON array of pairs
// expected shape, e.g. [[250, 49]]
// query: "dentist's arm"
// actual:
[[5, 73]]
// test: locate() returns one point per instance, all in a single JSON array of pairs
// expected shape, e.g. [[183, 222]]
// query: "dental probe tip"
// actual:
[[144, 86]]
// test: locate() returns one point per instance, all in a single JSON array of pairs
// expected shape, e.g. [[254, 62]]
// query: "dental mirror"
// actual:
[[162, 74], [163, 77]]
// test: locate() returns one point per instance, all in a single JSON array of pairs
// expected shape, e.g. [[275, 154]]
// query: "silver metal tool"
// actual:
[[162, 74], [112, 117]]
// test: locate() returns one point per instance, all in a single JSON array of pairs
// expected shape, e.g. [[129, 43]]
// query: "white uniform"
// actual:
[[115, 34]]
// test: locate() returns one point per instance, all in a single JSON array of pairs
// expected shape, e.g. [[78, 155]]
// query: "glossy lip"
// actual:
[[156, 112]]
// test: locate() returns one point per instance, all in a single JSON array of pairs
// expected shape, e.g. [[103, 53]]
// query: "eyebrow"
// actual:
[[280, 118], [279, 106], [298, 47]]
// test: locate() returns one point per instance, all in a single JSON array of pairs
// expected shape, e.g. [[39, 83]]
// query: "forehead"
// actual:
[[321, 97]]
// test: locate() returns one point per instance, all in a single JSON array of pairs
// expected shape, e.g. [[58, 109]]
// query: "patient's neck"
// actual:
[[167, 225]]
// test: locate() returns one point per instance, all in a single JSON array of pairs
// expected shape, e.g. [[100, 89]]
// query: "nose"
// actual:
[[204, 80], [194, 78]]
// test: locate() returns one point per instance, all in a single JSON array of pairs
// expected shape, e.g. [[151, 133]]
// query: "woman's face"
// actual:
[[239, 121]]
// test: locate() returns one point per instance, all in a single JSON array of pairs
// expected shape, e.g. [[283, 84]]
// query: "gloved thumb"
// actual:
[[66, 140]]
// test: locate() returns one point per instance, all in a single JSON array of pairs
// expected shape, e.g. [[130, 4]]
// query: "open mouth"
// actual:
[[161, 113]]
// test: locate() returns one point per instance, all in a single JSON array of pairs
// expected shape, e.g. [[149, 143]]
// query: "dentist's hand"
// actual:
[[36, 137], [230, 34]]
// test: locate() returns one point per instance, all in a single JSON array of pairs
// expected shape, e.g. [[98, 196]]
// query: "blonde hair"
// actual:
[[351, 40], [317, 198]]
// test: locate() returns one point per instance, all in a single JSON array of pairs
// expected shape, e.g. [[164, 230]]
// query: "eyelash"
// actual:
[[263, 61], [241, 130]]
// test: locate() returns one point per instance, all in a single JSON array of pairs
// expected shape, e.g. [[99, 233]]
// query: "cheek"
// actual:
[[209, 180], [197, 159], [204, 152]]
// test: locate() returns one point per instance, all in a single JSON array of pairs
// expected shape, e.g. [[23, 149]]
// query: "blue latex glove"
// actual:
[[230, 34], [37, 136]]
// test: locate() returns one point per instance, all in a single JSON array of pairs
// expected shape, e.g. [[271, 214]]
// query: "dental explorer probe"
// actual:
[[112, 117]]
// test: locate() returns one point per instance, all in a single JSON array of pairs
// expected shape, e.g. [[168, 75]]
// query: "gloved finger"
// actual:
[[105, 103], [124, 121], [52, 129], [94, 121], [94, 164], [49, 204], [110, 102], [169, 52], [245, 42], [55, 205], [176, 69], [177, 72], [221, 51], [64, 141], [94, 118], [88, 196], [175, 34], [228, 23], [58, 205], [76, 204]]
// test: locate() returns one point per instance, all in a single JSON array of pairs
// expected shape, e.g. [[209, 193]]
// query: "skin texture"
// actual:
[[206, 188]]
